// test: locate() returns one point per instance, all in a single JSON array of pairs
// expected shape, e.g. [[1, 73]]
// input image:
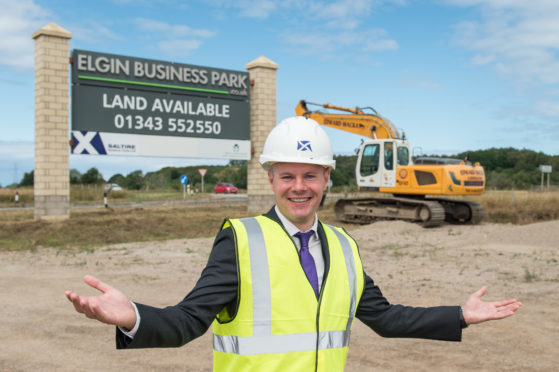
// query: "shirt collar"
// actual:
[[290, 227]]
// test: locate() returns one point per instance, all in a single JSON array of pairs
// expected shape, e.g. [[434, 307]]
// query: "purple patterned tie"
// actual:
[[306, 259]]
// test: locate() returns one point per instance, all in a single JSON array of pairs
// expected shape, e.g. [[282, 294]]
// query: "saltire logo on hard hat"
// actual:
[[304, 146]]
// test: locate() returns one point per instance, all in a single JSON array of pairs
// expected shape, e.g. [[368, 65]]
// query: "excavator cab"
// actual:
[[377, 163]]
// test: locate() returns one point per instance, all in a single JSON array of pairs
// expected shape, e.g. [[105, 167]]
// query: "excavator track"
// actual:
[[461, 211], [429, 213]]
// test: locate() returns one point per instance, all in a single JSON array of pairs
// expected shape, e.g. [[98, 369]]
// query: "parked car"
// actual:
[[112, 187], [226, 188]]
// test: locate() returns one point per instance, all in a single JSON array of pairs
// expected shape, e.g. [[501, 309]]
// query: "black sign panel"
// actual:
[[147, 74], [144, 97], [114, 110]]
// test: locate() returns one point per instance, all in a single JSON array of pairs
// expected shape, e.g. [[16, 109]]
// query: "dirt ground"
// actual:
[[41, 331]]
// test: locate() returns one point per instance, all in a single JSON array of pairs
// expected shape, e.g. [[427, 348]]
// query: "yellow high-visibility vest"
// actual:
[[280, 325]]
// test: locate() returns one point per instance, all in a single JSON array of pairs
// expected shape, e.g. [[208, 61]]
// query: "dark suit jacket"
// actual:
[[218, 285]]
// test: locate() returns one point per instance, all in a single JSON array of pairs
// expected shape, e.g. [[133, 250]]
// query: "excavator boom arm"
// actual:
[[358, 122]]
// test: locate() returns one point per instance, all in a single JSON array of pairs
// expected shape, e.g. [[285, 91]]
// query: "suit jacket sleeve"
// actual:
[[176, 325], [436, 323]]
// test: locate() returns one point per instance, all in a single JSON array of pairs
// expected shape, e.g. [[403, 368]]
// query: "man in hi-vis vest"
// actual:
[[283, 289]]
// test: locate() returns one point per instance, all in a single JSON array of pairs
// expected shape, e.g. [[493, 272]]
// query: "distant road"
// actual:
[[211, 199]]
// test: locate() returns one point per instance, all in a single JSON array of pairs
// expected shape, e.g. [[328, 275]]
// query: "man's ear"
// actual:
[[270, 175], [326, 178]]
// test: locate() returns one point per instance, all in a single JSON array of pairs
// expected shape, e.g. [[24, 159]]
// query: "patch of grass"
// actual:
[[393, 246], [86, 229], [529, 276], [430, 250], [7, 196], [519, 207], [451, 232]]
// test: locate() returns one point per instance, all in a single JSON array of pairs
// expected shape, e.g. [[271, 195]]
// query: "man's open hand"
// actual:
[[476, 311], [111, 307]]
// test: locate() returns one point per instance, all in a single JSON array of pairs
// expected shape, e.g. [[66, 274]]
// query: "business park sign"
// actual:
[[132, 106]]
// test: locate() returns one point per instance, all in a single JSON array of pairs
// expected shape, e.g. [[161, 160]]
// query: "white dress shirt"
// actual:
[[314, 243]]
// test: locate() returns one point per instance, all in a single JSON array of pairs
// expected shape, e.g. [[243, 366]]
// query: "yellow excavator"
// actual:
[[385, 165]]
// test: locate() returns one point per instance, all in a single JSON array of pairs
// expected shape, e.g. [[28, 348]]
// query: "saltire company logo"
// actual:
[[304, 146], [87, 143], [236, 147]]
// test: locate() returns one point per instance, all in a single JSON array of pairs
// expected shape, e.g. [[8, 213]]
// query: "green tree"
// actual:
[[240, 177], [134, 180], [92, 176], [175, 174], [344, 174], [117, 178], [75, 176], [28, 179]]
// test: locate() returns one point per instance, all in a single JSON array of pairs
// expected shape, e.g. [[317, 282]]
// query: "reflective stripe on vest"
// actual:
[[352, 278], [263, 341]]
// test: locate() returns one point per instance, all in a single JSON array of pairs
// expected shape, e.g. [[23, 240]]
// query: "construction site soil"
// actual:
[[414, 266]]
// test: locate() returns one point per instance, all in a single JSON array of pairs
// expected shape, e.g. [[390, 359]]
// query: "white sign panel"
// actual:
[[545, 168], [101, 143]]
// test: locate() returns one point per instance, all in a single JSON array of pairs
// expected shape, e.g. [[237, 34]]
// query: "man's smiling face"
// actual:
[[298, 189]]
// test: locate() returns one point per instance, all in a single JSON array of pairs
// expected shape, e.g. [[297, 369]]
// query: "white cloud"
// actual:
[[18, 21], [178, 39], [548, 109], [329, 28], [326, 43], [17, 150], [343, 14], [320, 27], [93, 32], [179, 47], [174, 30], [517, 38], [379, 43], [258, 9]]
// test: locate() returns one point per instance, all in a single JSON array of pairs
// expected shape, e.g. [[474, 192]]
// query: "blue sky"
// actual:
[[454, 75]]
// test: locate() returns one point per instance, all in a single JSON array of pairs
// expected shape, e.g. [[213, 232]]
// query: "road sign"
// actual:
[[184, 179], [202, 172], [545, 168]]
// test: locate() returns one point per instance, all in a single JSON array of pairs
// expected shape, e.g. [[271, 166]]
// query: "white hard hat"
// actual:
[[297, 140]]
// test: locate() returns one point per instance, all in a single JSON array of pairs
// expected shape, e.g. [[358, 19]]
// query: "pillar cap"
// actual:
[[52, 29], [262, 62]]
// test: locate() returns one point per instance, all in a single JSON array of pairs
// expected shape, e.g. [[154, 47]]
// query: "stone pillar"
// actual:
[[262, 74], [52, 173]]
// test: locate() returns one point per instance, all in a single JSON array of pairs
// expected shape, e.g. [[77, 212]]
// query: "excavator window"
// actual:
[[403, 155], [388, 156], [369, 160]]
